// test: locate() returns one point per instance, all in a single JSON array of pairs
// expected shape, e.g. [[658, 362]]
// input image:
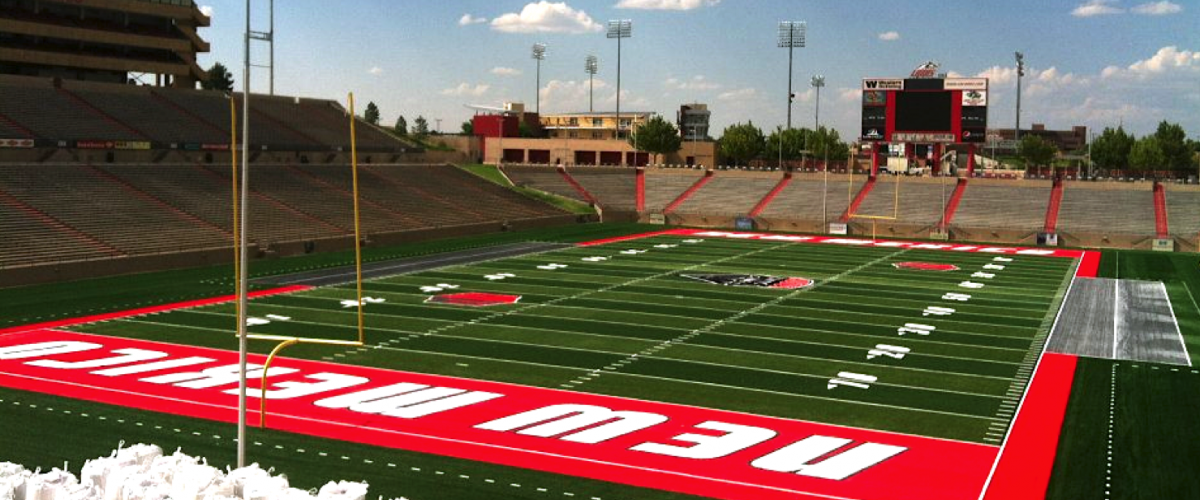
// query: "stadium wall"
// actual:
[[77, 270]]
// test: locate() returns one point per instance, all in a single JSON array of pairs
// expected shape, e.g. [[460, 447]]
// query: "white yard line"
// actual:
[[1116, 315], [1175, 321]]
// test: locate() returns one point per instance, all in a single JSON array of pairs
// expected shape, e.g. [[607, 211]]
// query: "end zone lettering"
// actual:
[[678, 448]]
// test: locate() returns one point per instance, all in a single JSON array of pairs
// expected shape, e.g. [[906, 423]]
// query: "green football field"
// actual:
[[635, 326]]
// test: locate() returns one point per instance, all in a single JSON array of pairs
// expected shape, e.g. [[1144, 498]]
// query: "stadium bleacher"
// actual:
[[920, 200], [613, 187], [727, 195], [54, 213], [662, 188], [1003, 204], [546, 179], [50, 114], [802, 199], [1098, 208], [1183, 213]]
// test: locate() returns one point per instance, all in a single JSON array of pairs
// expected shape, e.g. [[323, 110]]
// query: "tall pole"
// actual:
[[590, 66], [817, 82], [241, 312], [539, 53], [1020, 73], [272, 47], [620, 29], [791, 35], [789, 113]]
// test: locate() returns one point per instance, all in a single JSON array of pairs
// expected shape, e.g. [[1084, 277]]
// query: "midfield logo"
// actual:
[[473, 299], [758, 280]]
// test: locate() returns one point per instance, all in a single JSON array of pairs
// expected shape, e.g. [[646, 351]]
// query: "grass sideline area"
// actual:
[[1150, 395], [30, 304], [1154, 406], [491, 173]]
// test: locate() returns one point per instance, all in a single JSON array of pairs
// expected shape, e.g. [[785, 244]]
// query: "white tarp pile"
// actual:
[[142, 472]]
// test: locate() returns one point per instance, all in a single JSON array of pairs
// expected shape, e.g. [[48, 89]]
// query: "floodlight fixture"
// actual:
[[591, 66]]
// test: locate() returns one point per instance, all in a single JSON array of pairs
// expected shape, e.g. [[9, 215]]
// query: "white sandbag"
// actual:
[[221, 488], [12, 481], [164, 468], [190, 481], [244, 476], [343, 490], [52, 485], [81, 492], [295, 494], [140, 453]]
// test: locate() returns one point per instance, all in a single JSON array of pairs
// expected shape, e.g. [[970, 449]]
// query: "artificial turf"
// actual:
[[757, 350]]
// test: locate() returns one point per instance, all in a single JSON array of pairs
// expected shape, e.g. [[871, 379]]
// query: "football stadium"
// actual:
[[216, 283]]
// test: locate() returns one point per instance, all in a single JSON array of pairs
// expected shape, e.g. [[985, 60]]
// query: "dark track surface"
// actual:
[[339, 275]]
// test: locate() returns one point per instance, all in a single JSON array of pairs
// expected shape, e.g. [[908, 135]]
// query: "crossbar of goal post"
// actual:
[[287, 341], [875, 218]]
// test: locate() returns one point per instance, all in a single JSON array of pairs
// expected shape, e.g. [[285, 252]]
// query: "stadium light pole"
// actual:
[[539, 54], [242, 255], [817, 82], [619, 29], [591, 65], [1020, 73], [791, 36]]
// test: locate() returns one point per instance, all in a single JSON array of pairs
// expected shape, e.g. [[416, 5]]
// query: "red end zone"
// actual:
[[678, 448]]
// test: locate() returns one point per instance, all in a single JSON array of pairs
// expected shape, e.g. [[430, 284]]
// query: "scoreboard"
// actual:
[[924, 110]]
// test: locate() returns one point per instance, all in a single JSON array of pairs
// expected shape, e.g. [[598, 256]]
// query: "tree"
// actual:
[[468, 128], [826, 141], [420, 127], [793, 142], [656, 136], [1174, 144], [1037, 151], [401, 126], [742, 142], [524, 130], [218, 78], [371, 115], [1111, 149], [1147, 154]]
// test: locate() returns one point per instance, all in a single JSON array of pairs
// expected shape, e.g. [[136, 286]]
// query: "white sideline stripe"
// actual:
[[437, 438], [1116, 316], [1008, 432], [1175, 321]]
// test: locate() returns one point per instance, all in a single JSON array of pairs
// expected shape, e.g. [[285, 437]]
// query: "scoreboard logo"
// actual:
[[874, 98], [883, 84], [974, 98]]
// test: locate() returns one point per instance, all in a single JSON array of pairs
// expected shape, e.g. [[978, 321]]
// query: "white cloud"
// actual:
[[207, 10], [1162, 8], [466, 89], [696, 83], [665, 4], [502, 71], [999, 75], [1096, 8], [572, 95], [1166, 60], [889, 36], [850, 94], [375, 70], [546, 17], [739, 94], [468, 19]]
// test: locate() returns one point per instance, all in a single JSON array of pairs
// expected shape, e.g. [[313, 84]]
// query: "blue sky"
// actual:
[[1091, 62]]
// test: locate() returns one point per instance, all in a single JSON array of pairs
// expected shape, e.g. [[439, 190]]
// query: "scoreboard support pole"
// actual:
[[874, 160], [970, 160]]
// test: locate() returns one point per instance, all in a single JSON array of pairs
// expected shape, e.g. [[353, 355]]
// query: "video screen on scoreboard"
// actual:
[[923, 111]]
